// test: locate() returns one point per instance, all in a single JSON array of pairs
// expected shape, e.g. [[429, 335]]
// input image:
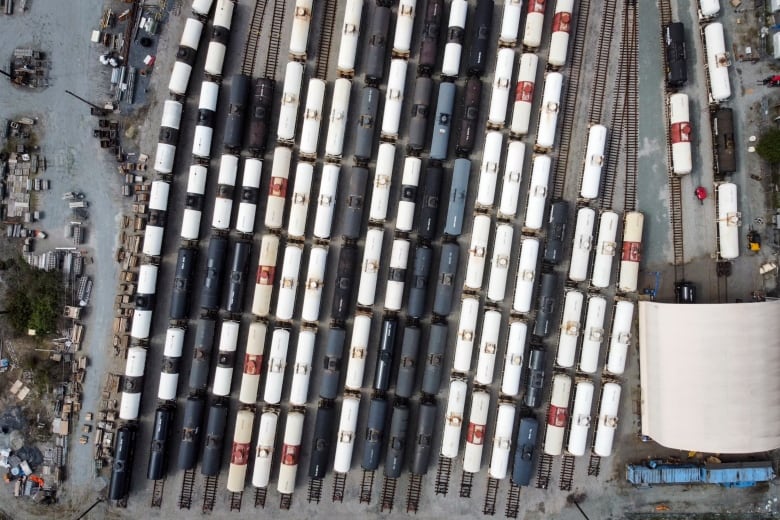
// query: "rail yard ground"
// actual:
[[77, 163]]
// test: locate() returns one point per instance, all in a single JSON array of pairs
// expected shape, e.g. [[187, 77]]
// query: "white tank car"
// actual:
[[142, 322], [488, 347], [394, 99], [476, 432], [526, 274], [537, 193], [467, 333], [570, 329], [266, 436], [475, 269], [147, 279], [524, 94], [312, 118], [326, 201], [680, 133], [502, 441], [709, 8], [580, 418], [605, 249], [345, 438], [288, 282], [239, 453], [171, 116], [502, 79], [163, 158], [582, 244], [717, 62], [228, 341], [253, 363], [299, 204], [488, 170], [402, 40], [499, 264], [291, 91], [304, 353], [174, 344], [513, 361], [223, 13], [277, 361], [453, 419], [215, 56], [291, 451], [180, 78], [510, 23], [632, 251], [729, 219], [196, 185], [594, 162], [299, 34], [134, 368], [337, 123], [358, 350], [452, 50], [277, 188], [201, 142], [404, 220], [620, 337], [396, 276], [223, 202], [250, 182], [153, 236], [534, 21], [608, 419], [350, 31], [593, 334], [315, 279], [190, 36], [549, 111], [513, 176], [557, 414], [383, 179], [561, 29], [264, 279], [369, 272]]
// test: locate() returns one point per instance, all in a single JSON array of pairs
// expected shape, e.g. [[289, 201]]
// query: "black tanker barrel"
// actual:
[[215, 438], [384, 359], [421, 109], [345, 279], [190, 432], [445, 283], [407, 367], [535, 379], [396, 447], [429, 37], [423, 439], [260, 115], [434, 359], [366, 123], [547, 305], [123, 462], [418, 288], [374, 62], [201, 354], [427, 224], [215, 265], [334, 351], [375, 433], [234, 126], [158, 453], [322, 441], [522, 469], [239, 268], [182, 283], [480, 44], [355, 203]]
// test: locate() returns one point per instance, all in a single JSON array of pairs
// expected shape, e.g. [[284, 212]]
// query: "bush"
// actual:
[[34, 299], [768, 146]]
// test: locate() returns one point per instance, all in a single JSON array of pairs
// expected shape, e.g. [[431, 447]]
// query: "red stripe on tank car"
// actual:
[[290, 455], [265, 274], [252, 364], [536, 6], [240, 453], [557, 416], [476, 433], [562, 22], [278, 187], [681, 132], [632, 252], [524, 91]]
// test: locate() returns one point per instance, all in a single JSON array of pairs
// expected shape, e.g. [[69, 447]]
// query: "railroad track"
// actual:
[[272, 57], [491, 493], [315, 490], [285, 501], [210, 493], [413, 493], [235, 501], [567, 473], [631, 107], [157, 493], [442, 484], [185, 495], [466, 483], [366, 486], [602, 62], [260, 494], [512, 501], [570, 98], [594, 465], [388, 495], [544, 470], [721, 268], [252, 41], [339, 483], [326, 36]]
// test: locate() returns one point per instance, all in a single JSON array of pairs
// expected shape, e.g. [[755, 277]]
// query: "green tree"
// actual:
[[768, 146], [35, 298]]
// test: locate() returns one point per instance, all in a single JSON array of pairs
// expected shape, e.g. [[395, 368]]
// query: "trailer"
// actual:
[[729, 475]]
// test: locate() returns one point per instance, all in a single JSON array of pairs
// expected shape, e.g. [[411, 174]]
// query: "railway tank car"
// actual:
[[423, 438], [216, 423], [513, 359], [580, 418], [676, 55], [467, 335], [182, 283], [290, 453], [299, 34], [211, 292], [453, 418], [331, 363], [240, 450], [631, 251], [234, 123], [594, 162], [168, 137], [407, 197], [489, 170], [523, 464], [122, 468], [396, 275], [291, 91], [277, 361], [509, 202], [456, 31], [266, 436], [185, 57], [546, 305], [620, 338], [709, 9], [402, 39], [260, 108], [322, 440], [366, 124], [475, 268], [249, 196], [510, 23], [570, 328], [201, 355], [155, 224], [299, 201], [557, 414], [338, 118], [442, 124], [680, 133], [315, 280], [369, 273], [502, 441], [396, 443], [193, 202], [445, 283], [132, 383], [386, 351], [375, 433], [592, 334], [347, 432], [605, 249], [358, 350], [158, 451], [534, 378], [312, 119], [374, 56], [265, 274], [582, 244], [220, 36], [428, 220], [499, 96], [429, 36], [608, 420], [561, 31], [420, 114], [526, 275], [226, 355], [478, 50], [524, 94], [728, 221], [725, 149], [456, 207], [344, 283], [326, 201], [717, 62], [534, 21], [499, 264], [350, 33], [476, 431], [434, 359], [383, 179], [204, 130], [237, 279], [191, 430], [468, 123], [223, 201], [488, 347], [253, 363], [169, 374], [537, 193], [277, 188], [549, 112]]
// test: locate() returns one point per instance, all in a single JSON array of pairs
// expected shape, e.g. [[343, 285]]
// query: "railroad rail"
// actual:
[[570, 98], [235, 501], [512, 501], [260, 494], [442, 484], [567, 473], [252, 41], [594, 465], [388, 495], [315, 490], [339, 483], [366, 486], [491, 493], [285, 501], [326, 37], [413, 493], [543, 471], [632, 107], [602, 62], [185, 495], [157, 492], [272, 57], [466, 483], [210, 493]]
